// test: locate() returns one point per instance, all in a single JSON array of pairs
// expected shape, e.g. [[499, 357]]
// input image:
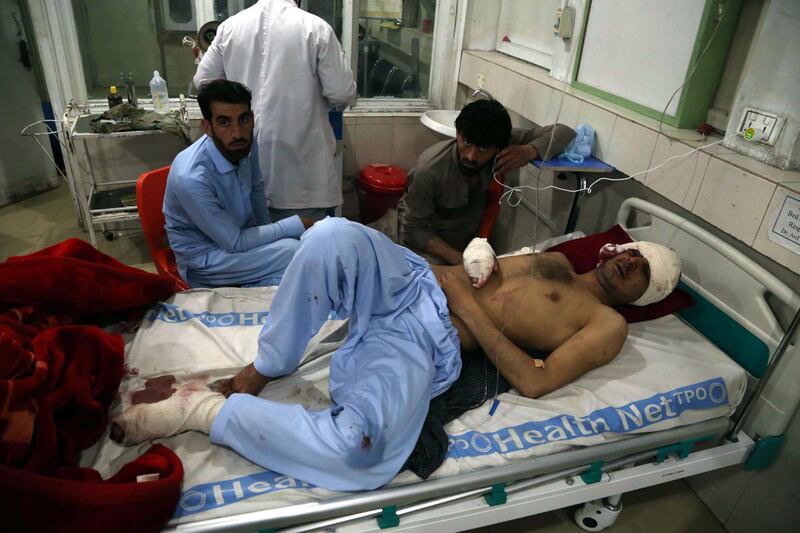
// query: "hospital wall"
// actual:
[[24, 169], [771, 82]]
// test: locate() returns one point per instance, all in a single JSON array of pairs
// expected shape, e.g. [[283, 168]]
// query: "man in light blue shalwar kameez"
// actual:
[[400, 352], [215, 207]]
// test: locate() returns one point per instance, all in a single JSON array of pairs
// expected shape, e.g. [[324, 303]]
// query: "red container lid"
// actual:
[[383, 178]]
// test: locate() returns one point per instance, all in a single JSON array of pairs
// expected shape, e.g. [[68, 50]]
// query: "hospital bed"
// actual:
[[688, 394]]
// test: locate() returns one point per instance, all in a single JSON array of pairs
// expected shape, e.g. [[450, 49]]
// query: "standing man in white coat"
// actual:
[[296, 68]]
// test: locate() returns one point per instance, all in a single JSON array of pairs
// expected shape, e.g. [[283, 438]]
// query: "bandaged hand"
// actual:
[[479, 261]]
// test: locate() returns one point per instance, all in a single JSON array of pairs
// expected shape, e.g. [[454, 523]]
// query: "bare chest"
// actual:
[[536, 312]]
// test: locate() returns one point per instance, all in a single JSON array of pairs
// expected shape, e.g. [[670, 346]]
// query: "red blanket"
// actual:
[[59, 373]]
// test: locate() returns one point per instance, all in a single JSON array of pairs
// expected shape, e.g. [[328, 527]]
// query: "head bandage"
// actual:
[[665, 268]]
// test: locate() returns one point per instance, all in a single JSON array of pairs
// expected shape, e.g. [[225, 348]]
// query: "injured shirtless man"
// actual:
[[408, 323]]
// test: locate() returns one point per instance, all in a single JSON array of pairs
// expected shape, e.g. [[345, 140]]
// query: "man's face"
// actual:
[[625, 276], [231, 129], [471, 157]]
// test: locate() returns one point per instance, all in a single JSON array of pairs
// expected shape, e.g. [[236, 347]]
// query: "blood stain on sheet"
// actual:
[[155, 390]]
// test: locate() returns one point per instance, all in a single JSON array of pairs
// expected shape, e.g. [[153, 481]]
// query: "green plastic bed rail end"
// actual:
[[681, 449], [388, 517], [764, 452], [594, 474], [749, 352], [497, 496]]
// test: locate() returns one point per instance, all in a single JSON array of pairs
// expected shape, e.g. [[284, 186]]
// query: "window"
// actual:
[[395, 42], [525, 30], [390, 44]]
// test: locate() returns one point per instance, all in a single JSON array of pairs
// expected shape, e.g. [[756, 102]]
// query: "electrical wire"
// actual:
[[588, 189]]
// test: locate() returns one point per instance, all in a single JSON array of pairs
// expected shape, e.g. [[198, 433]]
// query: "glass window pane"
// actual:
[[131, 39], [395, 43]]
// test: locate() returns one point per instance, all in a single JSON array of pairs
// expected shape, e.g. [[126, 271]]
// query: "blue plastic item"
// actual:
[[581, 146]]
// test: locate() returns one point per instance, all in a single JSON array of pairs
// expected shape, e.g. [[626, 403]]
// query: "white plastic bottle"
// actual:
[[158, 91]]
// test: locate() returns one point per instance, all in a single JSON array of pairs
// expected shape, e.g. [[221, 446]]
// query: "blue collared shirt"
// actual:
[[211, 204]]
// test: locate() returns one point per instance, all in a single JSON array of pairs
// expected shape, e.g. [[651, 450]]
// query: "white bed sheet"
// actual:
[[665, 376]]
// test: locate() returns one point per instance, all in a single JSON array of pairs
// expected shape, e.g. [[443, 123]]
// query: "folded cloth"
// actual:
[[125, 117]]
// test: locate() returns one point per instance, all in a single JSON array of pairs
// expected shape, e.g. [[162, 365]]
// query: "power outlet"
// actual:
[[760, 126], [480, 81]]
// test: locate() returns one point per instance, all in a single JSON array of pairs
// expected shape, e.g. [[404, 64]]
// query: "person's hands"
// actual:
[[246, 381], [307, 222], [456, 285], [513, 157]]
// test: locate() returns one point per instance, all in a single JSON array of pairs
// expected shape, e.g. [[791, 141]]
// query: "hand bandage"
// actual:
[[192, 407], [479, 259]]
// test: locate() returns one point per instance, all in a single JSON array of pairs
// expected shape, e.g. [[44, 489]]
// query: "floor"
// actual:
[[48, 218]]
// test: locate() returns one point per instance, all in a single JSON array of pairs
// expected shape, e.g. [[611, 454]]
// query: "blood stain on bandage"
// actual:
[[155, 390]]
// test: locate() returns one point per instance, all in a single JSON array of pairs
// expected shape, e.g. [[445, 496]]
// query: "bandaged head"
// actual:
[[665, 268]]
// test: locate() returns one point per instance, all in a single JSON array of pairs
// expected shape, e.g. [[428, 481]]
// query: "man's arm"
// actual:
[[599, 341], [335, 76], [526, 145], [420, 207], [258, 193], [202, 206], [438, 247], [211, 66]]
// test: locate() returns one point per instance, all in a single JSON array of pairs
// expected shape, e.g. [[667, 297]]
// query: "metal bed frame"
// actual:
[[540, 484]]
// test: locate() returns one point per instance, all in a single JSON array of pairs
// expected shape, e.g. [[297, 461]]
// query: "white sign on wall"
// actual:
[[785, 226]]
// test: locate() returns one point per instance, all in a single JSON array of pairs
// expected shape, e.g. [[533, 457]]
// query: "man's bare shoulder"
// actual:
[[609, 329]]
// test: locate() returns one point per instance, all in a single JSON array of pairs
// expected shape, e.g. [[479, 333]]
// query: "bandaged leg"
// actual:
[[479, 259], [193, 407]]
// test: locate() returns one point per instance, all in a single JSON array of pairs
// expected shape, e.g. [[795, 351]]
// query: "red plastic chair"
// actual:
[[150, 189]]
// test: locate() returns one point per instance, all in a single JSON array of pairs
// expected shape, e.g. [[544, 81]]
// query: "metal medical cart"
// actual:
[[101, 199]]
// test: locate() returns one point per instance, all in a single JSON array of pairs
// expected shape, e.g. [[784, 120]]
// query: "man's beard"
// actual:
[[468, 170], [235, 154]]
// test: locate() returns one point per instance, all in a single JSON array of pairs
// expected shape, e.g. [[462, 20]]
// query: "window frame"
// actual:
[[57, 40], [535, 56]]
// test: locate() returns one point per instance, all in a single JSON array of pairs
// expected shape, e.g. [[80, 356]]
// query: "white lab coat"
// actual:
[[296, 69]]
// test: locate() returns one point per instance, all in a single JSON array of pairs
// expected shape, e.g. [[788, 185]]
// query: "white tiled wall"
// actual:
[[733, 192], [384, 138]]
